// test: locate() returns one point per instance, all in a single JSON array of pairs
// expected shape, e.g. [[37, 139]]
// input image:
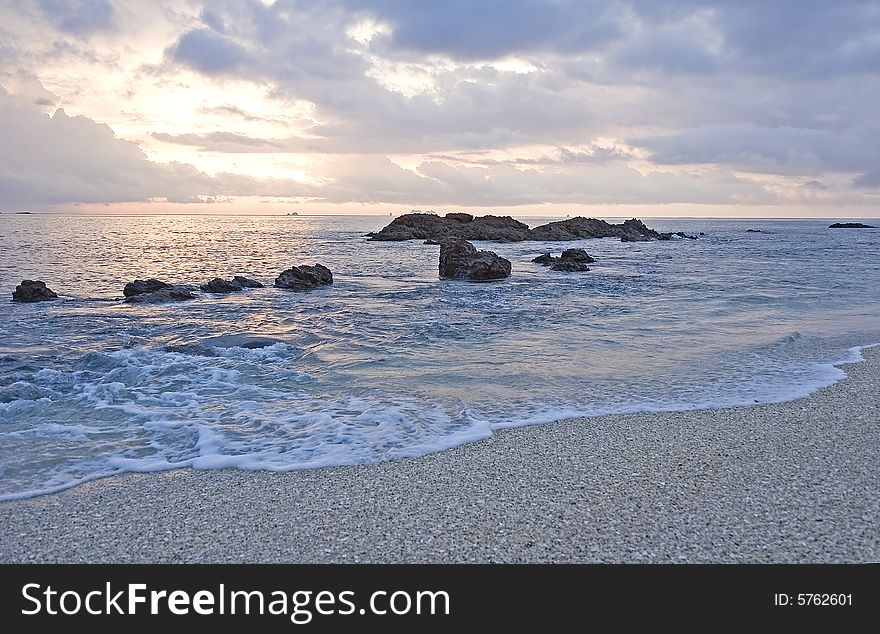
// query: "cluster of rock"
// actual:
[[850, 225], [437, 229], [33, 291], [154, 291], [460, 260], [571, 261]]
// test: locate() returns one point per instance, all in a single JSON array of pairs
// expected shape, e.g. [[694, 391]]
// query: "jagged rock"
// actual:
[[237, 283], [436, 229], [633, 237], [545, 260], [139, 287], [753, 231], [176, 293], [460, 260], [682, 234], [33, 291], [850, 225], [304, 278]]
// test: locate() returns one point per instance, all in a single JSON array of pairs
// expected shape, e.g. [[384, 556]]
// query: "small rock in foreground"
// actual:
[[237, 283], [33, 291], [304, 278], [163, 295], [140, 287], [460, 260]]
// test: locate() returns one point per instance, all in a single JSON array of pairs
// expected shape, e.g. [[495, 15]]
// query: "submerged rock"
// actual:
[[176, 293], [237, 283], [33, 291], [850, 225], [304, 278], [460, 260], [140, 287], [191, 349]]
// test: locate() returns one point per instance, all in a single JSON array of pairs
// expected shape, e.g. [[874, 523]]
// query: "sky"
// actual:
[[522, 107]]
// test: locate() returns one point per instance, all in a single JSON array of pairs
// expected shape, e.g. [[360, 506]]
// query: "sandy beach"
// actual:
[[790, 482]]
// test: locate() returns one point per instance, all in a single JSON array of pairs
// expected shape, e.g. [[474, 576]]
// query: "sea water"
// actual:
[[391, 361]]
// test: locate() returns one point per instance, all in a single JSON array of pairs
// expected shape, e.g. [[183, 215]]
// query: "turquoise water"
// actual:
[[391, 361]]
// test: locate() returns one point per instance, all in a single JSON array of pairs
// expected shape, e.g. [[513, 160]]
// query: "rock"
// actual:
[[434, 228], [459, 217], [570, 266], [33, 291], [191, 349], [571, 260], [176, 293], [304, 278], [460, 260], [419, 226], [633, 237], [576, 255], [752, 231], [237, 283], [850, 225], [139, 287], [682, 234]]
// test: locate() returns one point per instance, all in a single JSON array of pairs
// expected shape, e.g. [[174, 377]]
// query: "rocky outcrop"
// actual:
[[33, 291], [237, 283], [170, 293], [140, 287], [581, 228], [460, 260], [850, 225], [421, 226], [571, 260], [436, 229], [304, 278]]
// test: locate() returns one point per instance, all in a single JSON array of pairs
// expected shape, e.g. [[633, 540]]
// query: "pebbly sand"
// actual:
[[791, 482]]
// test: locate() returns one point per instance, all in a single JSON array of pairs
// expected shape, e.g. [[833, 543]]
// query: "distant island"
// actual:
[[293, 213], [850, 225]]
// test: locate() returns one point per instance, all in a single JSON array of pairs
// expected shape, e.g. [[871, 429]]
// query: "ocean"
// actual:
[[390, 361]]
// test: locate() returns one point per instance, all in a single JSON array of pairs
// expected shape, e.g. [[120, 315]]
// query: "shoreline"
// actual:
[[795, 481]]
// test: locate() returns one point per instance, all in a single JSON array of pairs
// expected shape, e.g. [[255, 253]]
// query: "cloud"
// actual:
[[79, 17], [209, 52], [60, 159], [485, 102]]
